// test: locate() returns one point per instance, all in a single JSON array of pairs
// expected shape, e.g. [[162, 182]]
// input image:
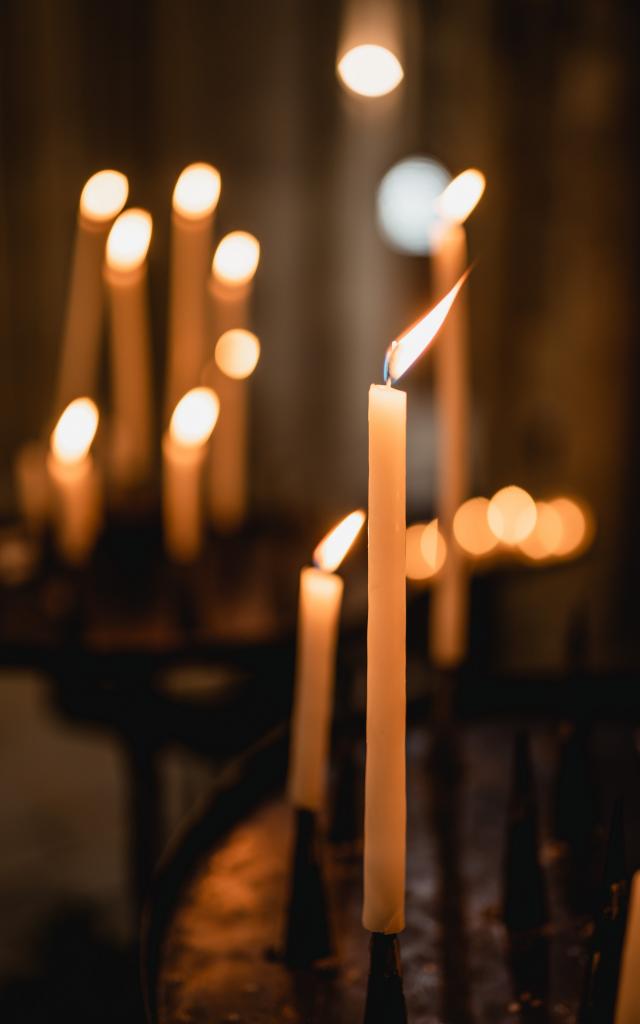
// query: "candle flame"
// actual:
[[461, 196], [74, 432], [194, 417], [197, 191], [333, 548], [237, 352], [104, 195], [236, 259], [403, 352], [370, 70], [129, 239]]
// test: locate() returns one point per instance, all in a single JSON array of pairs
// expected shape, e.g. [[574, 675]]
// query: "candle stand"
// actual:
[[308, 935], [385, 997]]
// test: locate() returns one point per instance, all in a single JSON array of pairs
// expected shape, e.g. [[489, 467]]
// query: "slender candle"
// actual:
[[628, 998], [74, 480], [183, 453], [32, 484], [318, 615], [195, 198], [102, 199], [449, 603], [385, 797], [126, 279]]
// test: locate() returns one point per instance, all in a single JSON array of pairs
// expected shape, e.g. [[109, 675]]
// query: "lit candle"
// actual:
[[195, 198], [236, 357], [370, 47], [385, 797], [102, 199], [75, 481], [319, 604], [233, 269], [628, 998], [183, 452], [449, 603], [126, 279]]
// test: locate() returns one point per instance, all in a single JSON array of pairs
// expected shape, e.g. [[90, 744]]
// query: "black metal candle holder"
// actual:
[[385, 996], [308, 936]]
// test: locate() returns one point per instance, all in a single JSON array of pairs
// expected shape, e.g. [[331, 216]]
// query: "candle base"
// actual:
[[525, 904], [385, 996], [308, 937]]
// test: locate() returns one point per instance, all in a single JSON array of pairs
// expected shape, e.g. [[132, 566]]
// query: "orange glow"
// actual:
[[545, 538], [426, 550], [577, 526], [129, 239], [194, 417], [197, 191], [237, 352], [461, 196], [74, 432], [403, 352], [512, 515], [370, 70], [332, 549], [104, 195], [236, 259], [471, 527]]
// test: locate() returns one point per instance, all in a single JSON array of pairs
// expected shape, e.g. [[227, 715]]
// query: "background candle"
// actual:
[[319, 605], [32, 485], [126, 278], [75, 482], [195, 198], [102, 199], [183, 452], [450, 600], [233, 269], [236, 357], [628, 998]]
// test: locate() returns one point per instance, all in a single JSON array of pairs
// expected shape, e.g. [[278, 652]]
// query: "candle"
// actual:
[[126, 279], [385, 797], [102, 199], [195, 198], [233, 269], [449, 604], [32, 484], [183, 452], [370, 48], [236, 357], [628, 998], [75, 481], [319, 605]]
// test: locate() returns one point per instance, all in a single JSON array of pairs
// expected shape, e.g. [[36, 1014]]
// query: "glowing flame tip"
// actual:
[[333, 548]]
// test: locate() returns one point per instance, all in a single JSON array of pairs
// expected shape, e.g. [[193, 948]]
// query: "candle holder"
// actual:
[[308, 937], [385, 996]]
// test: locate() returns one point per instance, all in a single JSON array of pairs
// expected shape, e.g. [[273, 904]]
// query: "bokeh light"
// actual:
[[512, 515], [237, 353], [236, 258], [406, 204], [426, 550], [197, 191], [370, 70], [74, 432], [104, 195], [129, 240], [194, 417], [471, 528]]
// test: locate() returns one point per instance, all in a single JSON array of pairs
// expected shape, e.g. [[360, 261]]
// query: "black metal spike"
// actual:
[[308, 937], [385, 996], [525, 904]]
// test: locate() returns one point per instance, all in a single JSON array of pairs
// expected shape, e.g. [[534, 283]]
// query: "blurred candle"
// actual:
[[449, 604], [385, 796], [102, 199], [32, 485], [370, 47], [236, 357], [75, 482], [319, 605], [233, 269], [195, 198], [126, 279], [628, 998], [183, 453]]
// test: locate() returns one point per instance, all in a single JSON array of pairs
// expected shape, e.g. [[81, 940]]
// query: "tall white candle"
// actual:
[[130, 348], [450, 600], [74, 480], [628, 998], [385, 796], [102, 199], [319, 605], [183, 453], [195, 198]]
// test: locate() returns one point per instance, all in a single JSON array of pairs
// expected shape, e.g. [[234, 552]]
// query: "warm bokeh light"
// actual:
[[512, 515], [426, 550], [237, 352], [236, 259], [194, 417], [197, 191], [544, 540], [405, 204], [129, 239], [74, 432], [403, 352], [104, 195], [370, 70], [471, 528], [461, 196], [332, 549], [577, 526]]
